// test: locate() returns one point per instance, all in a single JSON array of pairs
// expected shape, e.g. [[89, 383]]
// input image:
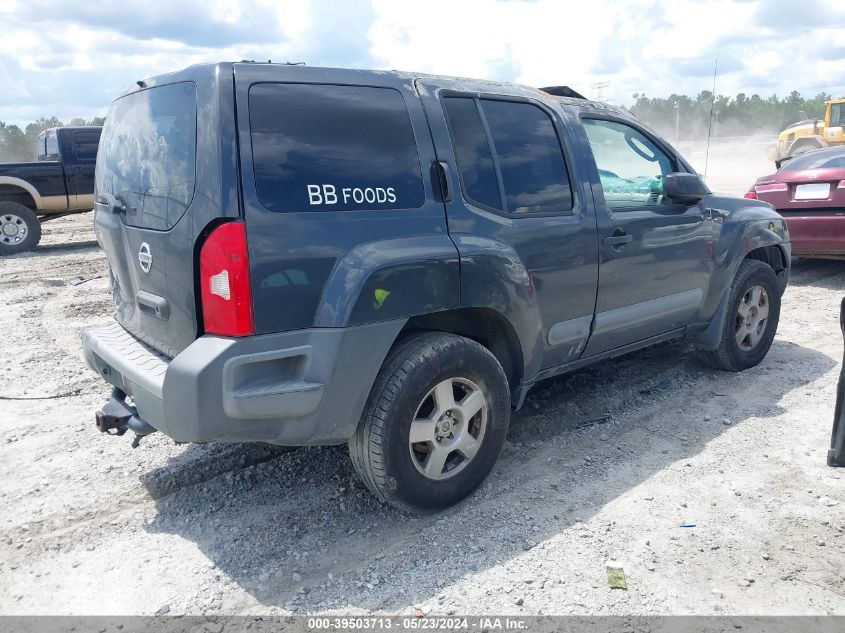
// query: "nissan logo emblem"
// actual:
[[145, 257]]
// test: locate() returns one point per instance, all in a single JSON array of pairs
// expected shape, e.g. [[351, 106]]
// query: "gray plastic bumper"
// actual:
[[294, 388]]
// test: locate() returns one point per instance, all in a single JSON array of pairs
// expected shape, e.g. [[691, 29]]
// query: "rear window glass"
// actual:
[[147, 157], [85, 143], [824, 159], [333, 148]]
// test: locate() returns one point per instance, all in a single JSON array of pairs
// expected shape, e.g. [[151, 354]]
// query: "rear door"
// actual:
[[520, 198], [342, 223], [656, 255], [159, 185]]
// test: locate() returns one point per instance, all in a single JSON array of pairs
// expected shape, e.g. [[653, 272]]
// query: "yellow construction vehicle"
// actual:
[[811, 134]]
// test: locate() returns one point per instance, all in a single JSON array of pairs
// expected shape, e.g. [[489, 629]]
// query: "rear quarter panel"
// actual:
[[343, 268]]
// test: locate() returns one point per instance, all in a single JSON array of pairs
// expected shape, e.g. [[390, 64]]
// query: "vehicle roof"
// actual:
[[71, 127], [463, 83]]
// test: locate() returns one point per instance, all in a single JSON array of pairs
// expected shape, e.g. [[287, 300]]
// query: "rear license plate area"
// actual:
[[814, 191]]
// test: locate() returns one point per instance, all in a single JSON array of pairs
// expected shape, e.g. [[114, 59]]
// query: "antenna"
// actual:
[[599, 88], [710, 125]]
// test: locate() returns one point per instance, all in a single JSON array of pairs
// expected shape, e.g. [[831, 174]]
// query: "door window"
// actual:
[[631, 167], [837, 114], [519, 166], [473, 153]]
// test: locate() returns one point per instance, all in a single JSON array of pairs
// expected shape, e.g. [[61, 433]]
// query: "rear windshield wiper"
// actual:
[[115, 203]]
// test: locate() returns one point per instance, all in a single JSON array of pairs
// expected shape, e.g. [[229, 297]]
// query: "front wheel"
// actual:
[[20, 229], [434, 424], [751, 319]]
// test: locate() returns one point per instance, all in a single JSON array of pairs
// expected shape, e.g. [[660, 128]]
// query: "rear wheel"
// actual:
[[20, 229], [751, 319], [434, 424]]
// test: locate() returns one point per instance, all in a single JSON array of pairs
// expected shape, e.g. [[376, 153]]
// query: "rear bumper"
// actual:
[[817, 235], [294, 388]]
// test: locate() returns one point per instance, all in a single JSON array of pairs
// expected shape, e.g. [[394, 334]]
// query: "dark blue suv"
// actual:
[[320, 256]]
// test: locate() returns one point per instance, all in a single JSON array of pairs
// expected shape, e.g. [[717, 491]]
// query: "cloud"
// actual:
[[794, 16], [71, 59], [193, 22]]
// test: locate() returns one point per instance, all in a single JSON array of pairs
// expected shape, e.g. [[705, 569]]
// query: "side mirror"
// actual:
[[684, 188]]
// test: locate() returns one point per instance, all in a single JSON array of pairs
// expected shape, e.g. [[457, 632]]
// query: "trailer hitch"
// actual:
[[117, 417], [836, 454], [114, 417]]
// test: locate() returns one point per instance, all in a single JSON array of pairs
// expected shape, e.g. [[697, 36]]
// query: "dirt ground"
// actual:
[[604, 464]]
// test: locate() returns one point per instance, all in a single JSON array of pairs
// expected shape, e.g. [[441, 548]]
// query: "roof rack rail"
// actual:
[[563, 91]]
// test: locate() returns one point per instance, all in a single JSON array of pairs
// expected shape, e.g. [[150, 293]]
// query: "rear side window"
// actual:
[[85, 144], [333, 148], [520, 160]]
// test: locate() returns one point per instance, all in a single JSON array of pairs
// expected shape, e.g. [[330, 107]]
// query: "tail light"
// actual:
[[225, 291], [751, 194]]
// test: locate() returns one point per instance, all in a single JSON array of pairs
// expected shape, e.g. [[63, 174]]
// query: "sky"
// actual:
[[71, 59]]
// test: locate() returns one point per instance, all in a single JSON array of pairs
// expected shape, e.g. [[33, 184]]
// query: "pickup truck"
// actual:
[[60, 182], [307, 256]]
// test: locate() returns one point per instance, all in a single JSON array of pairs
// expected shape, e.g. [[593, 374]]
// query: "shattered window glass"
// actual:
[[631, 167]]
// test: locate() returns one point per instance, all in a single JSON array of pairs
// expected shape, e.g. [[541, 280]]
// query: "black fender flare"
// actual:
[[739, 239]]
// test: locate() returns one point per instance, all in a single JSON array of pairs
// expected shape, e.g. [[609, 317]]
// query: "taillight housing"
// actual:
[[225, 290], [751, 194]]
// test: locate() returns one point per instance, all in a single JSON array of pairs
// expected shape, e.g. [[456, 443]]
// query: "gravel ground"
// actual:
[[603, 464]]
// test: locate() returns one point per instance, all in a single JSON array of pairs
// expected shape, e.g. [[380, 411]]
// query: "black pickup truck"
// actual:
[[61, 181]]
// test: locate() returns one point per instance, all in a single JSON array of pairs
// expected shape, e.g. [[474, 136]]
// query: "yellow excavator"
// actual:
[[810, 134]]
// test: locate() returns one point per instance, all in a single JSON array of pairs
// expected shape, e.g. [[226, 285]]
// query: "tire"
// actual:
[[737, 352], [413, 389], [20, 229]]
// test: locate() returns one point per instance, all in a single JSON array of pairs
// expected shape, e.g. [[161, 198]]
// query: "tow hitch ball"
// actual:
[[117, 417]]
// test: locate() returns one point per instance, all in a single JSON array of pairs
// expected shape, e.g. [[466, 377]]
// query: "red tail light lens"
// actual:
[[751, 194], [226, 293]]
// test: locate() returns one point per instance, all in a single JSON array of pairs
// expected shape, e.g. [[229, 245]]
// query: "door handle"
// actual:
[[148, 302], [617, 239], [442, 180]]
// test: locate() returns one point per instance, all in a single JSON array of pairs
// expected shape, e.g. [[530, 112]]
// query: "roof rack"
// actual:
[[563, 91]]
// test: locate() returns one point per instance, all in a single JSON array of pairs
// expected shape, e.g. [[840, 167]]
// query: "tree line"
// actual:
[[679, 117], [20, 145]]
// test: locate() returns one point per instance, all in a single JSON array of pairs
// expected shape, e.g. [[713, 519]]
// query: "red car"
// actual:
[[809, 192]]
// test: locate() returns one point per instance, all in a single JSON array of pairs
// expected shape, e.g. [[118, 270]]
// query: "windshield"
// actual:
[[147, 155]]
